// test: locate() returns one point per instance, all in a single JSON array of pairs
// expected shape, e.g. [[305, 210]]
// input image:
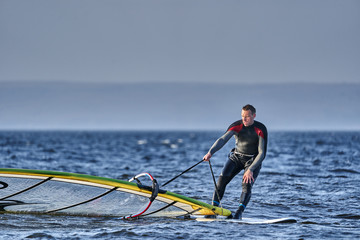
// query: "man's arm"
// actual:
[[219, 144], [260, 156], [248, 175]]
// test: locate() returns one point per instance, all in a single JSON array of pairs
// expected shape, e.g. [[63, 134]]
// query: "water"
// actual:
[[312, 176]]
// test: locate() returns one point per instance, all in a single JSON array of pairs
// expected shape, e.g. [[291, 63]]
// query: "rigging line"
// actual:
[[26, 189], [216, 189], [160, 209], [89, 200], [189, 213], [182, 173]]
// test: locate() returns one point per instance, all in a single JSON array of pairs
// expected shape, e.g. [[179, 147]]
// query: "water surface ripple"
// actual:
[[312, 176]]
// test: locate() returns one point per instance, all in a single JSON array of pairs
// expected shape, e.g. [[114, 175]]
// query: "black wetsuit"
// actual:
[[250, 151]]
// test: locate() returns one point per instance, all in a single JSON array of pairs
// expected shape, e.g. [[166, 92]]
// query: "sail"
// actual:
[[38, 191]]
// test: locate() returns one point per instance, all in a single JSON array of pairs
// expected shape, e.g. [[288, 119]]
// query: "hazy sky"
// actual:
[[180, 40]]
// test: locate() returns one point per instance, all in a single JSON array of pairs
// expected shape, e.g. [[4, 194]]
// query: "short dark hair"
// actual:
[[249, 107]]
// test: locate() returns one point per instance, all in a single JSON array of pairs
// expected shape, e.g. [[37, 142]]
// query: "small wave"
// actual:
[[320, 142], [316, 162], [142, 142], [343, 170], [294, 175], [40, 236], [49, 150], [273, 173], [166, 141], [348, 216], [119, 233], [147, 157], [309, 222]]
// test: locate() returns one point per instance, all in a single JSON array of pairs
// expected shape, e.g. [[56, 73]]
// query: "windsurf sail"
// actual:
[[51, 192]]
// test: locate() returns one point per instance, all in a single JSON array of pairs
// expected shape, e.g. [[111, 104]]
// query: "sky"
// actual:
[[67, 64], [207, 41]]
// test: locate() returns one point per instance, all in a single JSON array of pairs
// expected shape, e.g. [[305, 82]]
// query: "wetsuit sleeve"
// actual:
[[260, 156], [221, 142]]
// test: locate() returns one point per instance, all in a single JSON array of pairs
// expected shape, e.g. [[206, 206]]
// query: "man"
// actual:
[[248, 154]]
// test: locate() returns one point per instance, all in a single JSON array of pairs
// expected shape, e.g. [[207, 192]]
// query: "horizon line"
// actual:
[[175, 82], [165, 130]]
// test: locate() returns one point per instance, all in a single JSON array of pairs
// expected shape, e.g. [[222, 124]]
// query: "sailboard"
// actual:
[[52, 192], [249, 220]]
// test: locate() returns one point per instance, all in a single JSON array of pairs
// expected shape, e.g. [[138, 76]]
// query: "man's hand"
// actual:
[[248, 176], [207, 157]]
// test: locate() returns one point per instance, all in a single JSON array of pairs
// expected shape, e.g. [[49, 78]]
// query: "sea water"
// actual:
[[311, 176]]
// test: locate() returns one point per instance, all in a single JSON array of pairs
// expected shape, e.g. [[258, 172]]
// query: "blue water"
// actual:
[[312, 176]]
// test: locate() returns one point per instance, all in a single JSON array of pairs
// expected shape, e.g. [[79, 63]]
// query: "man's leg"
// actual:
[[230, 170], [246, 193]]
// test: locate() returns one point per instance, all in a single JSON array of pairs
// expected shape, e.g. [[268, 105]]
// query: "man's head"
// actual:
[[248, 115]]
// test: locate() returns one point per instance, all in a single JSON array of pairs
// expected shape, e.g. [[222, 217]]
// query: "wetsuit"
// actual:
[[250, 151]]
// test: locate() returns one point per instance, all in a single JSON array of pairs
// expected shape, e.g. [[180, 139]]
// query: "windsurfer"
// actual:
[[248, 154]]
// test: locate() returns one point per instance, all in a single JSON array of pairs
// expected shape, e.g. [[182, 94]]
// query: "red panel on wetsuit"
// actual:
[[236, 128], [259, 132]]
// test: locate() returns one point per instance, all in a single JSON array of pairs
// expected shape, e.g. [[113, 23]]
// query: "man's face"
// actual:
[[247, 117]]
